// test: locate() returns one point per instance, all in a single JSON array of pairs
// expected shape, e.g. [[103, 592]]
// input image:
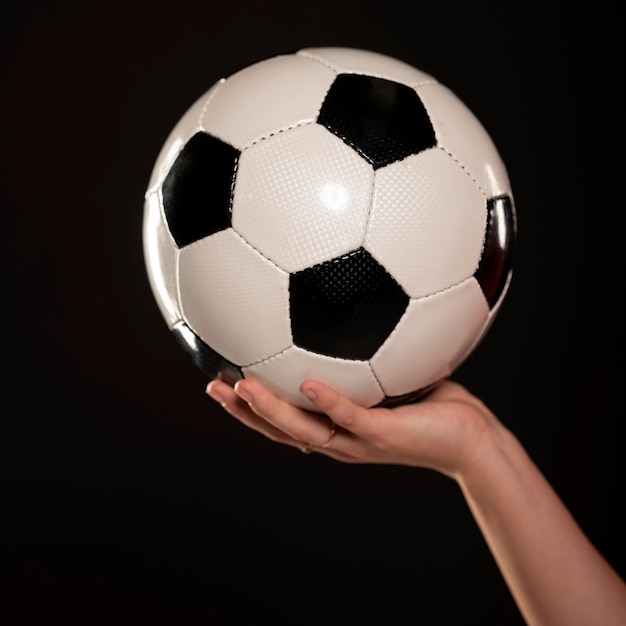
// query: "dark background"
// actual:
[[128, 497]]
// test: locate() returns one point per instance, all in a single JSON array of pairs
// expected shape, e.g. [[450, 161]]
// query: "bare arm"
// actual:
[[555, 574]]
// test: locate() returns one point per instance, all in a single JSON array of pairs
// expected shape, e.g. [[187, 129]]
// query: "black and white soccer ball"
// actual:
[[331, 214]]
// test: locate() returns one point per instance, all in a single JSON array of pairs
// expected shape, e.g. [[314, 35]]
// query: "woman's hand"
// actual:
[[444, 431], [553, 571]]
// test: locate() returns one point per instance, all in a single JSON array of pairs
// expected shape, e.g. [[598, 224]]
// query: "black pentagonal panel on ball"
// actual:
[[197, 190], [382, 120], [345, 307], [496, 261]]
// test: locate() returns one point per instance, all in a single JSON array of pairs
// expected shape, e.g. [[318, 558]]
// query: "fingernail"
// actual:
[[308, 392], [213, 394], [243, 394]]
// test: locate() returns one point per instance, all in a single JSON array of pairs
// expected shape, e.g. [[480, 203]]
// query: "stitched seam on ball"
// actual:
[[426, 297], [423, 83], [278, 132], [261, 254], [200, 123], [307, 55], [231, 195], [482, 249], [484, 195], [312, 57], [378, 382], [448, 288], [199, 127], [370, 209], [273, 356], [467, 172]]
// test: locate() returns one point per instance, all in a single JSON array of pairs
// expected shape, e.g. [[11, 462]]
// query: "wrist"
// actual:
[[492, 452]]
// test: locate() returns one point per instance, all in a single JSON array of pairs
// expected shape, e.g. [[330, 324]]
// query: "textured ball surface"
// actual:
[[333, 214]]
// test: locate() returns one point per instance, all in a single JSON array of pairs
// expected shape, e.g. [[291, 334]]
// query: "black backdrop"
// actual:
[[128, 497]]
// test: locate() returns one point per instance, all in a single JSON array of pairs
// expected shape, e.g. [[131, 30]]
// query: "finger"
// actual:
[[253, 400], [225, 395], [340, 409], [300, 425]]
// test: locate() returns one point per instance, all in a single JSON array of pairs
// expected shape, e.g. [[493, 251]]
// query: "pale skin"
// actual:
[[555, 574]]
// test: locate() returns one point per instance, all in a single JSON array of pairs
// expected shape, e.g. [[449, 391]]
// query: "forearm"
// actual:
[[555, 574]]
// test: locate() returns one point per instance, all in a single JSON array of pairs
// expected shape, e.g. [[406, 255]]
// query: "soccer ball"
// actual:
[[332, 214]]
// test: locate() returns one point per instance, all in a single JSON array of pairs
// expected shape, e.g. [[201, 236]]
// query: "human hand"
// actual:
[[445, 431]]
